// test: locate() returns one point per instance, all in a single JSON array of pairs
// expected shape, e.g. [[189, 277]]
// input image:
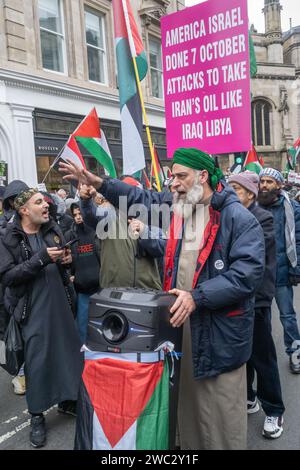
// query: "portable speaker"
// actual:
[[131, 320]]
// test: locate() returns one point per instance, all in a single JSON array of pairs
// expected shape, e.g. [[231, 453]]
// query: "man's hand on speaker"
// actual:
[[182, 308]]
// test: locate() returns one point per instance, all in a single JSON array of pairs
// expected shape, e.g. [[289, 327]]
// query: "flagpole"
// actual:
[[137, 79], [55, 160]]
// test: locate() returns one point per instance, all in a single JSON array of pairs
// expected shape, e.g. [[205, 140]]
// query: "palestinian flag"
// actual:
[[72, 152], [123, 405], [145, 180], [92, 138], [261, 160], [160, 171], [129, 46], [251, 162]]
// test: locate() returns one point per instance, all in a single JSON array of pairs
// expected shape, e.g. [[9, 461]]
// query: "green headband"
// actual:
[[198, 160], [23, 197]]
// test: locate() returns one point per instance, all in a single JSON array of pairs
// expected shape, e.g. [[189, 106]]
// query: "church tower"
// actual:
[[272, 11]]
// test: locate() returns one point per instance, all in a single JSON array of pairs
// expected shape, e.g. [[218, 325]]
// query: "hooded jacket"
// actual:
[[86, 257], [12, 190], [19, 265]]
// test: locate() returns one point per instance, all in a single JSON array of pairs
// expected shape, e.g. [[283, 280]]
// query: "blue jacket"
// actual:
[[284, 269], [222, 324]]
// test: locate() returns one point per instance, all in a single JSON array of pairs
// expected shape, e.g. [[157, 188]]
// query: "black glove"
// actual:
[[294, 280]]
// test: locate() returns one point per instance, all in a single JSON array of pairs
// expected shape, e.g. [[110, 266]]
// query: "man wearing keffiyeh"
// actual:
[[213, 268], [286, 215]]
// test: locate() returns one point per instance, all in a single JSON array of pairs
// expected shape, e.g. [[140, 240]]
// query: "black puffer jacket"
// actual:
[[19, 266]]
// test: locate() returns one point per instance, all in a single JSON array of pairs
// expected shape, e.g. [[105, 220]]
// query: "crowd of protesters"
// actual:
[[225, 277]]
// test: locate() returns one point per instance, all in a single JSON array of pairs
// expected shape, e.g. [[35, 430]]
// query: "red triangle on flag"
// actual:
[[297, 143], [119, 391], [251, 156], [89, 127], [261, 160]]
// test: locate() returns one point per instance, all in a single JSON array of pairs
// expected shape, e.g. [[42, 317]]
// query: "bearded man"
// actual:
[[286, 215], [35, 283], [213, 270]]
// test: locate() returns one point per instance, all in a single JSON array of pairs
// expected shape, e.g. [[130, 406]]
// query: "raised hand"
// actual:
[[83, 176]]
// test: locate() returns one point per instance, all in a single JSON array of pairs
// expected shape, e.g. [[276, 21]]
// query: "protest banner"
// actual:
[[207, 77]]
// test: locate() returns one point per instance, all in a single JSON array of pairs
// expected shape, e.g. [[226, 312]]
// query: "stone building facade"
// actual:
[[276, 87], [57, 61]]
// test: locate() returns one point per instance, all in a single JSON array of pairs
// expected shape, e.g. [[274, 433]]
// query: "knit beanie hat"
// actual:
[[248, 179], [275, 174], [198, 160]]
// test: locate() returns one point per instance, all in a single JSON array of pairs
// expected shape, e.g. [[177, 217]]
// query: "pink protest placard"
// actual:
[[207, 77]]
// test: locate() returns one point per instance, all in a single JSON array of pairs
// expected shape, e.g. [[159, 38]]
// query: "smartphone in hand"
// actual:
[[68, 244]]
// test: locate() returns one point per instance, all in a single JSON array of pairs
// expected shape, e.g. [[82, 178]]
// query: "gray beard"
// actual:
[[184, 206]]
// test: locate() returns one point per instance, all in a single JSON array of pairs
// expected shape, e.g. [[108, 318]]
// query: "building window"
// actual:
[[261, 115], [95, 41], [156, 68], [52, 35]]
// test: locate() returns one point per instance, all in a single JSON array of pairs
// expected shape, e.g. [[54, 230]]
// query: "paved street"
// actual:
[[14, 419]]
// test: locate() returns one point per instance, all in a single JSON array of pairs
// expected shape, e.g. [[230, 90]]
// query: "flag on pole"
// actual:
[[72, 152], [92, 138], [123, 405], [261, 160], [145, 180], [161, 174], [297, 148], [293, 154], [129, 45], [251, 162], [253, 64]]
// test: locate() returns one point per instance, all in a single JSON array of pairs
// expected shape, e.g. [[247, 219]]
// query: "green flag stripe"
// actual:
[[152, 431], [126, 77], [253, 64], [97, 152], [142, 65], [254, 166]]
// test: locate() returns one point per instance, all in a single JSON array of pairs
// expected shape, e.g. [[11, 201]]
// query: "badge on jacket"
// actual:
[[56, 239], [219, 264]]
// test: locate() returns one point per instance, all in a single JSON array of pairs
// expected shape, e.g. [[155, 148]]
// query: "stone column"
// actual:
[[24, 166]]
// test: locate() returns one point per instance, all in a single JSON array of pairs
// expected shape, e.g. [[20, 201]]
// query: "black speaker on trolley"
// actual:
[[136, 320], [130, 320]]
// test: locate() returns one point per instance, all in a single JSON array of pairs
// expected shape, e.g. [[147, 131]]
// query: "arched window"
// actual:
[[261, 114]]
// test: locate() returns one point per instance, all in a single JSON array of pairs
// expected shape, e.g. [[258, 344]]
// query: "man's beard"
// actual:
[[266, 198], [184, 205]]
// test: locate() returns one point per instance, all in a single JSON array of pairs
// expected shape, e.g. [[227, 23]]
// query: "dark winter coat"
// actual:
[[65, 222], [19, 267], [266, 290], [284, 269], [36, 288], [85, 258], [222, 324], [11, 191]]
